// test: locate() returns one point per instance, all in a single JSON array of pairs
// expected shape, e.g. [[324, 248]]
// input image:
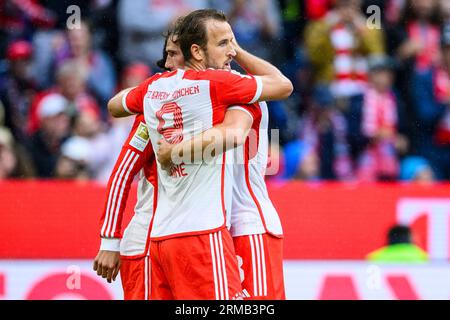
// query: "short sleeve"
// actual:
[[252, 110], [235, 88], [133, 100]]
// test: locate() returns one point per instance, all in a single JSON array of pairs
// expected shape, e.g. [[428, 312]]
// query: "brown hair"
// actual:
[[169, 34], [192, 29]]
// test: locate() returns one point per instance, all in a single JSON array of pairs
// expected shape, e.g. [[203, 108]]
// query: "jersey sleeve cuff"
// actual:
[[259, 87], [124, 102], [110, 244], [241, 108]]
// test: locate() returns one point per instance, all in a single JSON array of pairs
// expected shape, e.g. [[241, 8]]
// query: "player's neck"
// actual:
[[194, 65]]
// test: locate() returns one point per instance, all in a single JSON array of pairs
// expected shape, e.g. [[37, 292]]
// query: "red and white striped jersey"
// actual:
[[136, 157], [379, 112], [179, 105], [252, 210]]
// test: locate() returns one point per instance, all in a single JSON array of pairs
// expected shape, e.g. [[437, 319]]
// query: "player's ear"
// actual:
[[197, 52]]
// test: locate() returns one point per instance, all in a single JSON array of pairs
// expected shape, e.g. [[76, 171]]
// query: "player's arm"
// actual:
[[116, 105], [231, 133], [131, 100], [275, 85], [128, 164], [233, 88]]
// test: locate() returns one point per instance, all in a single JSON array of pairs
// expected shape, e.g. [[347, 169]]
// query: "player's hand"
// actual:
[[107, 264], [164, 155], [235, 45]]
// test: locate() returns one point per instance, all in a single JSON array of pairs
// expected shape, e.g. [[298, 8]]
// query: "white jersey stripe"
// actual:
[[116, 190], [124, 102], [213, 258], [263, 262], [224, 267], [149, 277], [146, 278], [259, 87], [258, 259], [124, 183], [255, 282], [105, 222], [219, 267]]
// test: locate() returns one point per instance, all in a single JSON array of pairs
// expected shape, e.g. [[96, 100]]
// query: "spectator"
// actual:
[[96, 65], [293, 15], [324, 129], [444, 8], [72, 163], [91, 140], [417, 169], [414, 42], [71, 84], [18, 88], [379, 160], [316, 9], [419, 40], [14, 160], [45, 144], [17, 19], [8, 160], [338, 46], [141, 38], [257, 26], [47, 41], [431, 96], [400, 248], [133, 74], [393, 12], [300, 161]]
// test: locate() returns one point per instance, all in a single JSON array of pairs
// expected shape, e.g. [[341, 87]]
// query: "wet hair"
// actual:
[[169, 34], [162, 62], [192, 29]]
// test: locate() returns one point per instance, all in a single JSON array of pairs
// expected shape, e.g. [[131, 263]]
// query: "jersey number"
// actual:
[[172, 134]]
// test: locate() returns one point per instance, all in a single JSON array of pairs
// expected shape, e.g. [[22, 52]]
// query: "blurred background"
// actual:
[[364, 148]]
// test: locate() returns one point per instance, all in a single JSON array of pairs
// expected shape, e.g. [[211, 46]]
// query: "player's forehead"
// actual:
[[218, 31], [171, 45]]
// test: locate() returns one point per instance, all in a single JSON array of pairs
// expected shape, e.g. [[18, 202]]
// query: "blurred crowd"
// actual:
[[371, 99]]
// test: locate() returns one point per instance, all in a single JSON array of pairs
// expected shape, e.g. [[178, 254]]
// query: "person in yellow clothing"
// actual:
[[338, 46], [400, 248]]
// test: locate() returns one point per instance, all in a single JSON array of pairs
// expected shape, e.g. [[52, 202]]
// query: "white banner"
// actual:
[[365, 281], [75, 279]]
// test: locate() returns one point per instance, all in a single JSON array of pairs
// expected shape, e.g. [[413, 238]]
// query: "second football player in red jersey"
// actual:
[[193, 199]]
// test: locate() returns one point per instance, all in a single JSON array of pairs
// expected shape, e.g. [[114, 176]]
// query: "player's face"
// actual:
[[219, 49], [175, 59]]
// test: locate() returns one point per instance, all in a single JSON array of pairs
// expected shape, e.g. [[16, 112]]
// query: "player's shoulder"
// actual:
[[217, 75], [159, 75]]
